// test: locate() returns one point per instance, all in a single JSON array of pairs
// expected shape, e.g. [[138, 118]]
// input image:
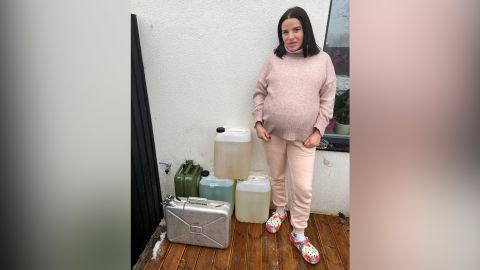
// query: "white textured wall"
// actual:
[[202, 60]]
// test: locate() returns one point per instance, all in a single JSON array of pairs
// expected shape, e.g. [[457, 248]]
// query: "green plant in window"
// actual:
[[342, 108]]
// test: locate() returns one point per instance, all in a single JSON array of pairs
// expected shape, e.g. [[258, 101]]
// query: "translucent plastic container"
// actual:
[[232, 153], [252, 199], [217, 189]]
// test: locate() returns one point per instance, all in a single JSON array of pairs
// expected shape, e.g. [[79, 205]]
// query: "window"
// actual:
[[337, 45]]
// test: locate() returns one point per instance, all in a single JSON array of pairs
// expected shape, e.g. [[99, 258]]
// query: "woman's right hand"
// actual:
[[262, 133]]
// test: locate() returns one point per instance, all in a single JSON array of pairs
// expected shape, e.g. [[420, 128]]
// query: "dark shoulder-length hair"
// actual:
[[309, 46]]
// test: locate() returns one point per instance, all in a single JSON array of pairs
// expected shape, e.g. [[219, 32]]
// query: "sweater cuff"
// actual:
[[321, 126], [257, 116]]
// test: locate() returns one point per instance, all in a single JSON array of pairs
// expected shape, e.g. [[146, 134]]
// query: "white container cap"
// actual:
[[254, 183], [232, 134]]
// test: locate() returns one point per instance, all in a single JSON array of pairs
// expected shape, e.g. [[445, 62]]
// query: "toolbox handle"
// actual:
[[170, 200], [197, 200]]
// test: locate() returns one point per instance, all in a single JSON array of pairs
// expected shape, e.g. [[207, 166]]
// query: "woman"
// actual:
[[293, 104]]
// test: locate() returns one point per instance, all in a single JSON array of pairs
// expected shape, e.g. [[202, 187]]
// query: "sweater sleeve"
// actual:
[[327, 98], [260, 93]]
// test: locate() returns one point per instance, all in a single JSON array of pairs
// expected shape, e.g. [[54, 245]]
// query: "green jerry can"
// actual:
[[187, 179]]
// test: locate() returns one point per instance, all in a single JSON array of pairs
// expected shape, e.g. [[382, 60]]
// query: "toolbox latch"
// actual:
[[196, 229]]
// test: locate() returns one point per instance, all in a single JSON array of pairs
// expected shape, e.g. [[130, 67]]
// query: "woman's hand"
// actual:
[[262, 133], [313, 140]]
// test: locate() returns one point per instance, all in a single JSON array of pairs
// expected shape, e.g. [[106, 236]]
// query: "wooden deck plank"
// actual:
[[223, 256], [172, 259], [239, 246], [284, 246], [254, 246], [189, 258], [311, 233], [330, 250], [346, 229], [300, 263], [269, 250], [205, 258], [157, 263], [340, 239]]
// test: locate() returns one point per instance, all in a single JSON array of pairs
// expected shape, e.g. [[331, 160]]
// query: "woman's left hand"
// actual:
[[313, 140]]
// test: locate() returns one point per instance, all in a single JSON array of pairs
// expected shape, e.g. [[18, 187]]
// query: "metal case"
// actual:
[[197, 221]]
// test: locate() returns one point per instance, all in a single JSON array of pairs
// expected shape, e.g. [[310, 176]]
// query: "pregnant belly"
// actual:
[[294, 122]]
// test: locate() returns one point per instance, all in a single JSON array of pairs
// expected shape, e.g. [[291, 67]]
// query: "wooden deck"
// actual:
[[252, 247]]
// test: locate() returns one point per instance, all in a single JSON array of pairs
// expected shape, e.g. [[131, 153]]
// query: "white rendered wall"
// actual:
[[202, 60]]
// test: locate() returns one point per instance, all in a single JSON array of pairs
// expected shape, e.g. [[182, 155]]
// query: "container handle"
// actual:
[[236, 130], [197, 200], [256, 179]]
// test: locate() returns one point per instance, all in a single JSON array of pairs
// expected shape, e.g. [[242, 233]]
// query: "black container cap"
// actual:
[[205, 173], [220, 129]]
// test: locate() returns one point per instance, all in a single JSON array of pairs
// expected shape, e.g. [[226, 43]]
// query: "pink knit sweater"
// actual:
[[294, 95]]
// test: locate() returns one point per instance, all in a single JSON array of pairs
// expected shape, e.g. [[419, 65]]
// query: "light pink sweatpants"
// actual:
[[300, 160]]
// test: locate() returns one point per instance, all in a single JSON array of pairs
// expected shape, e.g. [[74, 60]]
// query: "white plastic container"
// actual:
[[232, 153], [252, 199]]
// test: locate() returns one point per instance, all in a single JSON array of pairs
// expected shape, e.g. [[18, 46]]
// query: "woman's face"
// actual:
[[292, 34]]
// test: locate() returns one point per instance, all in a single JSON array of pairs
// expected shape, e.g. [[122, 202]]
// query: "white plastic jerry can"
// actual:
[[232, 153], [252, 199]]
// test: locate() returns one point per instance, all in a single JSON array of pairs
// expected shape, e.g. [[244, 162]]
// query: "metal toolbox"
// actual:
[[197, 221]]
